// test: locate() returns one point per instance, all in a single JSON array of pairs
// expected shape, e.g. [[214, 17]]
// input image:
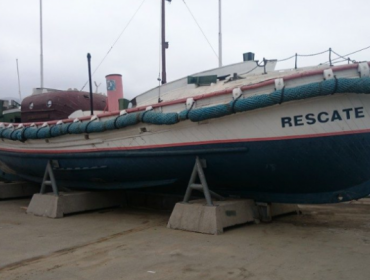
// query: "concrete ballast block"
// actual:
[[197, 216], [53, 206]]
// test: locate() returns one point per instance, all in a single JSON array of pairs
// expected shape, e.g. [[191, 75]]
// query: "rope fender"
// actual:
[[323, 88]]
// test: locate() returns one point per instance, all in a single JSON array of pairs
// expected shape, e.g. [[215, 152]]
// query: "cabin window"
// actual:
[[31, 105], [49, 103]]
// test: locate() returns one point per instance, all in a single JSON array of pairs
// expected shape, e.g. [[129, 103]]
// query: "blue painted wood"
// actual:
[[310, 170]]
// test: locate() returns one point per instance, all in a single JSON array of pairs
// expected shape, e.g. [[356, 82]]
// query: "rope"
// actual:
[[252, 70], [191, 107], [10, 136], [314, 54], [339, 56], [336, 85], [346, 55], [68, 126], [38, 130], [290, 57], [143, 115], [200, 28], [87, 126], [22, 134], [115, 42], [358, 51], [115, 121], [340, 61], [233, 105], [282, 95]]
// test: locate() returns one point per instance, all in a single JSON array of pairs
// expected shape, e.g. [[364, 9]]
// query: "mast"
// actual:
[[41, 50], [164, 43], [19, 83], [219, 35]]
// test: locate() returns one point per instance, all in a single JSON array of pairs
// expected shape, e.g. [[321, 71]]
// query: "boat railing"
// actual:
[[331, 61]]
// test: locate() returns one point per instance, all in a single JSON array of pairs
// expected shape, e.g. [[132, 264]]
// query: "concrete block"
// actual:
[[52, 206], [197, 216], [17, 189]]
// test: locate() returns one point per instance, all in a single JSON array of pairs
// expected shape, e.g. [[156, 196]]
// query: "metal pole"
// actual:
[[164, 44], [296, 55], [192, 180], [41, 50], [220, 35], [19, 83], [203, 180], [90, 84]]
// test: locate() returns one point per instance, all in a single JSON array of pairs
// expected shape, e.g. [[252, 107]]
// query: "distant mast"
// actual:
[[164, 43], [219, 35], [41, 50], [19, 82]]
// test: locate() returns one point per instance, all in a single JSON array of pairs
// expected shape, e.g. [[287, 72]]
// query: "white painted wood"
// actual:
[[257, 125]]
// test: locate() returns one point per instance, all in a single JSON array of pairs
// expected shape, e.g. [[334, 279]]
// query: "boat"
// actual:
[[300, 135], [294, 136], [10, 111], [46, 104], [51, 104]]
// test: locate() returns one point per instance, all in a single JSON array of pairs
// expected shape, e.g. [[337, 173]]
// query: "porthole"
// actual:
[[49, 103], [31, 106]]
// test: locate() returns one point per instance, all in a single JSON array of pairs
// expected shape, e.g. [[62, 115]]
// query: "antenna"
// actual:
[[41, 50], [97, 86], [219, 35]]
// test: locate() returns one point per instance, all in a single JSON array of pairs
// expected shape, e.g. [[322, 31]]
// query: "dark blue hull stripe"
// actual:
[[311, 170]]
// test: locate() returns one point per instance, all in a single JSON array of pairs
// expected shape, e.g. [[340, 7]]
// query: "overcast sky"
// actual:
[[72, 28]]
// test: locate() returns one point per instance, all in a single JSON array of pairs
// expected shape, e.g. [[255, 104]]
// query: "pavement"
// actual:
[[325, 242]]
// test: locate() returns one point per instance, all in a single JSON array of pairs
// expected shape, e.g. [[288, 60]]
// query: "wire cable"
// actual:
[[313, 54], [290, 57], [339, 56], [115, 42], [346, 55], [358, 51], [200, 28]]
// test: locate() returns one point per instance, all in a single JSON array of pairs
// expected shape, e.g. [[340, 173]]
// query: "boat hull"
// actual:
[[305, 170], [314, 150]]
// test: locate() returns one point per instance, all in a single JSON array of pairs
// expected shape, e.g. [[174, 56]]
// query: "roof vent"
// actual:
[[249, 56]]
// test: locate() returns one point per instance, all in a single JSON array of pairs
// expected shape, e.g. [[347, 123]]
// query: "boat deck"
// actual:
[[325, 242]]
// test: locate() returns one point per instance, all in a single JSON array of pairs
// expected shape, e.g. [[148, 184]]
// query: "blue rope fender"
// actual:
[[323, 88], [159, 118]]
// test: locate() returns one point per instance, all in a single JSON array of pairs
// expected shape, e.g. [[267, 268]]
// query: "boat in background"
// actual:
[[51, 104], [10, 111]]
